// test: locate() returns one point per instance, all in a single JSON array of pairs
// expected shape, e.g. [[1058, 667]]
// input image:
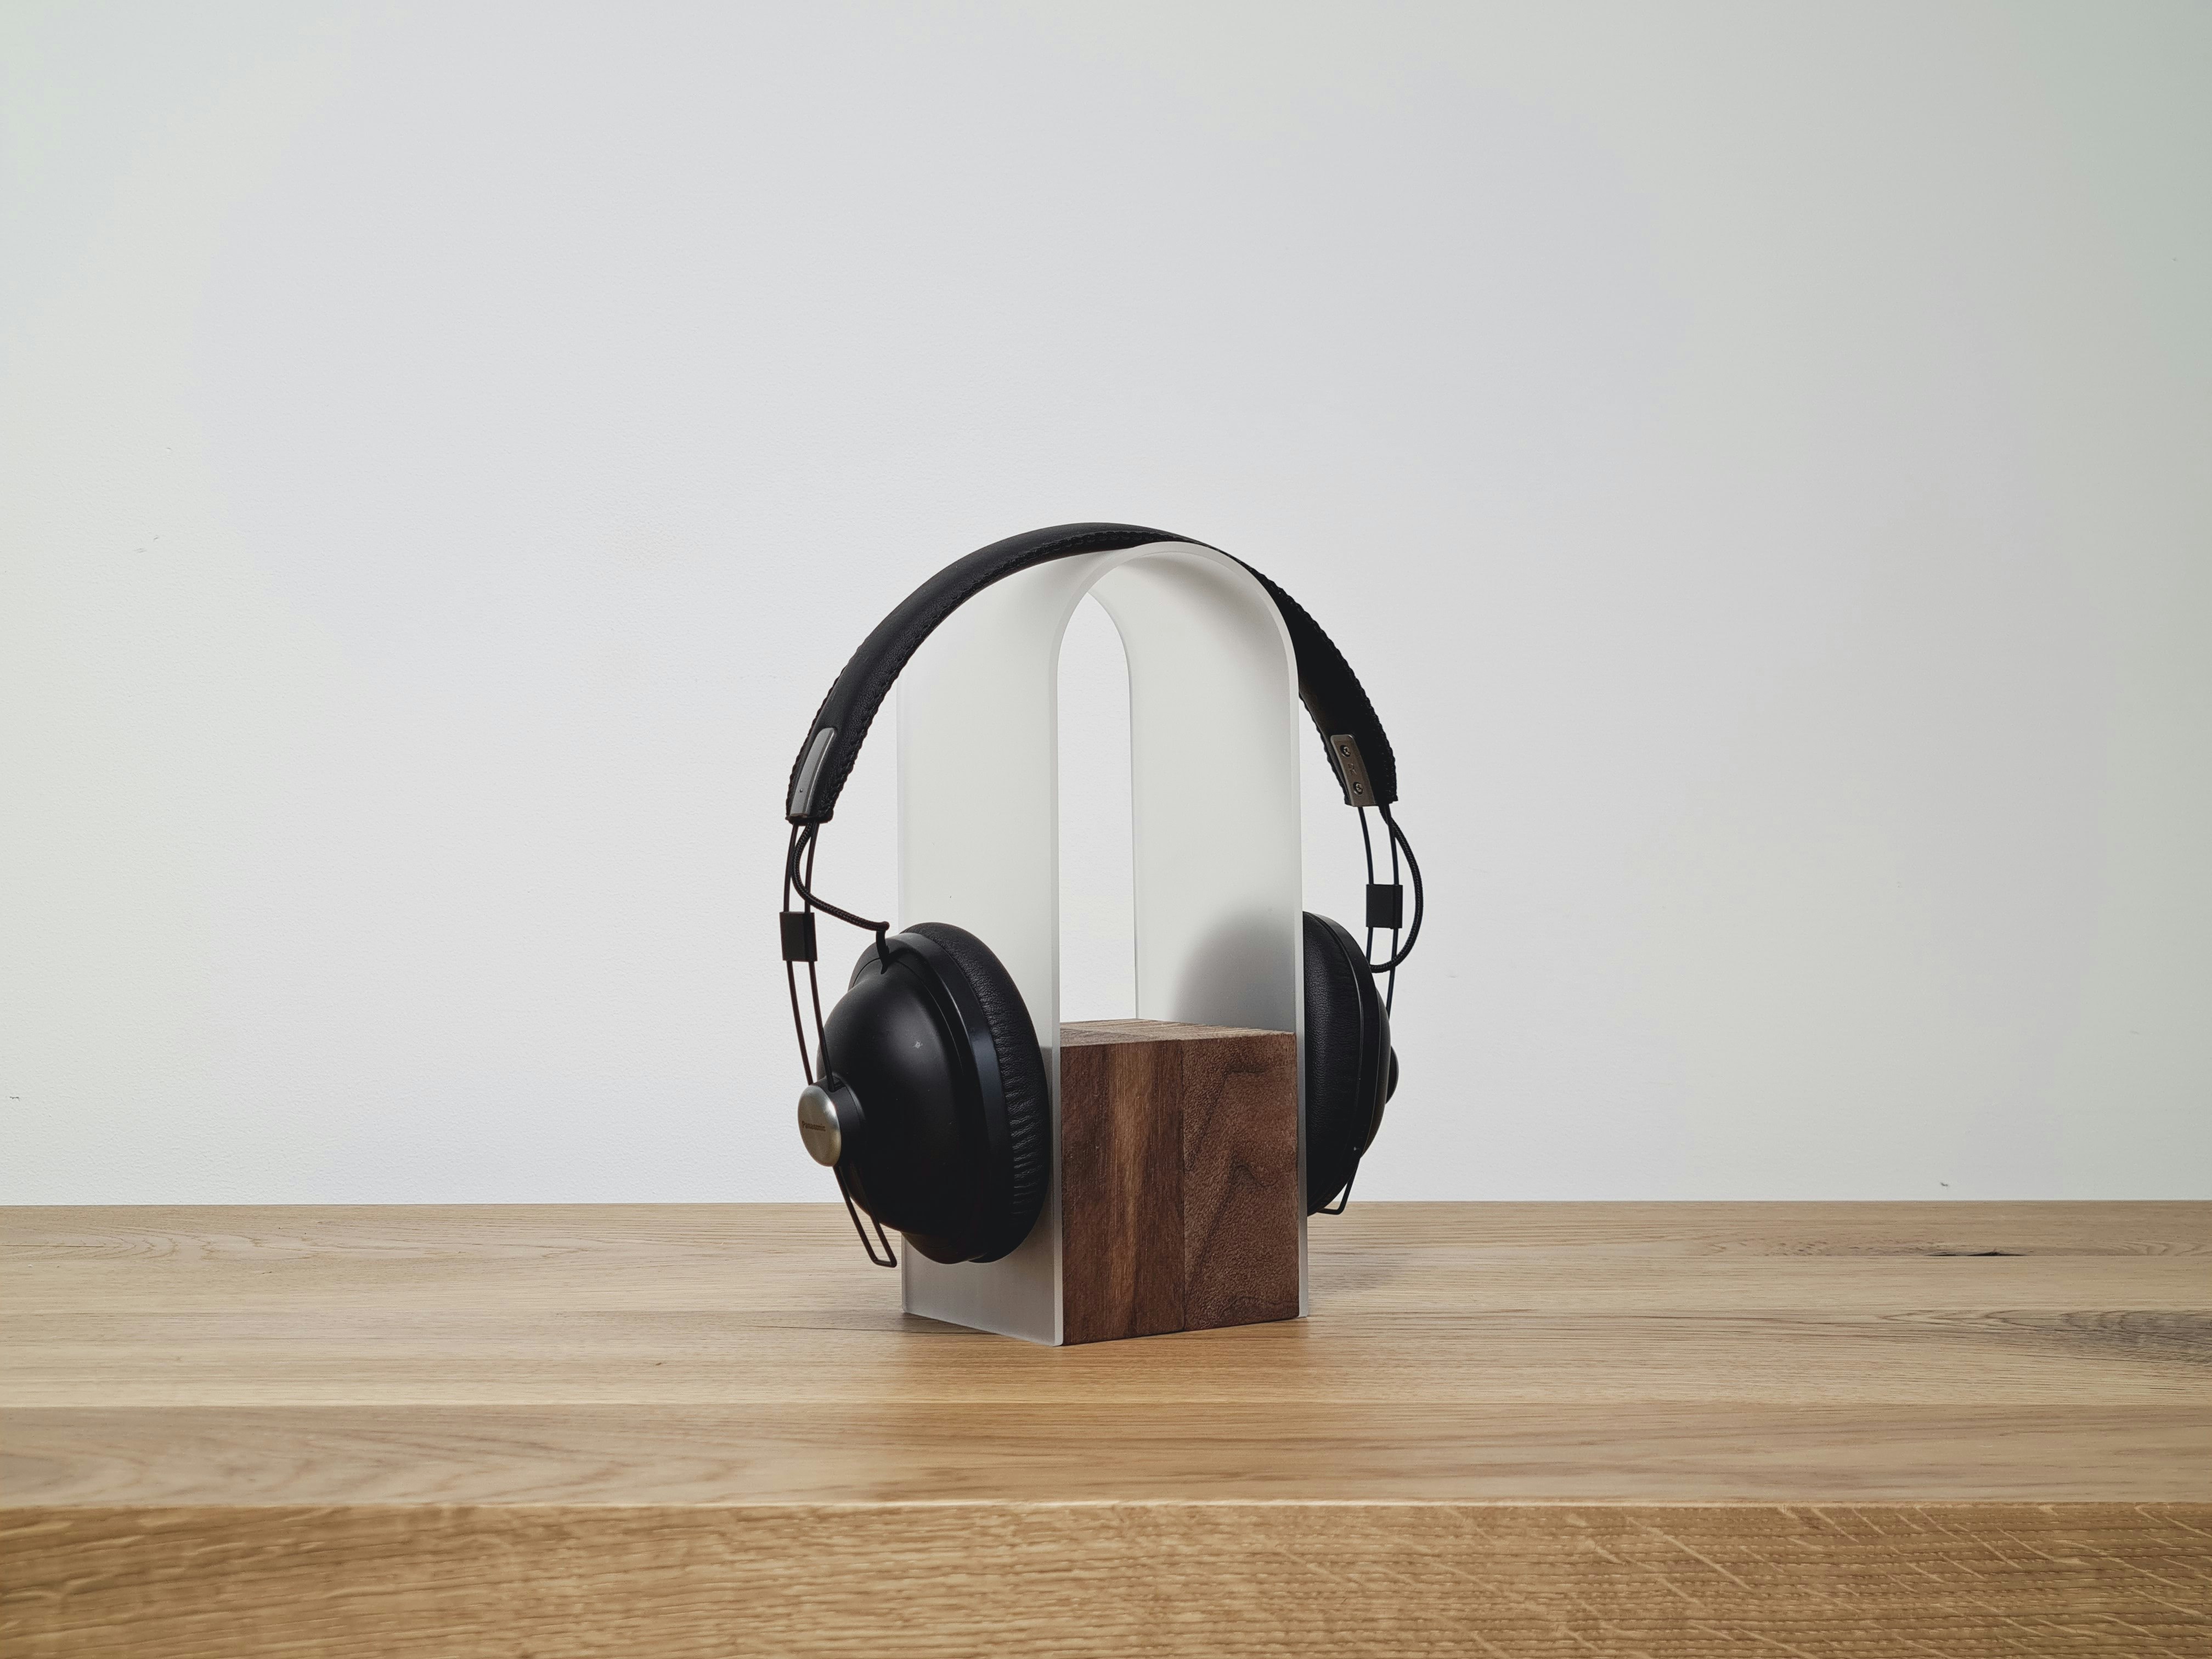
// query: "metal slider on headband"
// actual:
[[802, 786], [1351, 770]]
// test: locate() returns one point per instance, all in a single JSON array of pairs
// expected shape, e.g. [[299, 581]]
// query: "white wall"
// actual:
[[1755, 455]]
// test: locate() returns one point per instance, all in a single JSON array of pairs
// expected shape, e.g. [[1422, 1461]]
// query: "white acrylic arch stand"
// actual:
[[1213, 719]]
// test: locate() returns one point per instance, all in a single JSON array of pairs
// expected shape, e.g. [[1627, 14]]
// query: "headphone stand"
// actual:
[[1213, 730]]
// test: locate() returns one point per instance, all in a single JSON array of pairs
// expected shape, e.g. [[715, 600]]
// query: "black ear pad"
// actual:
[[1021, 1074], [1351, 1068], [935, 1045]]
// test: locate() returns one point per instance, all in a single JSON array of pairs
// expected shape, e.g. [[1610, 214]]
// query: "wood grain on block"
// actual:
[[1178, 1178], [1240, 1181], [1120, 1186]]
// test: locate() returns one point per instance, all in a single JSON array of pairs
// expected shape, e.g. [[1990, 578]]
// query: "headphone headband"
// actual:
[[1332, 693]]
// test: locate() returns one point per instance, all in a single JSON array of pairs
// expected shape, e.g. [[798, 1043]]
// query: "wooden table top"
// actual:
[[1830, 1430], [1676, 1354]]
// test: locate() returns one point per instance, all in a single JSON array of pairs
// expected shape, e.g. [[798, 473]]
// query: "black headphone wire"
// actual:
[[1399, 952], [1412, 933], [798, 873]]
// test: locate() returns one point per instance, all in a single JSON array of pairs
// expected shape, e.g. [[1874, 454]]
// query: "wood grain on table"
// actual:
[[1671, 1429]]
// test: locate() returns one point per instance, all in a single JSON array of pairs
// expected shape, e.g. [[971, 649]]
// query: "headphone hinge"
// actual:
[[1351, 770]]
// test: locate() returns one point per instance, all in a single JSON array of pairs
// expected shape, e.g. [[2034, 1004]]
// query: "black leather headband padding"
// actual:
[[1333, 696], [1331, 691]]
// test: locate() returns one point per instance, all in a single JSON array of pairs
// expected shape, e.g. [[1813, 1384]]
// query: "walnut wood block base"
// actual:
[[1178, 1177], [1840, 1430]]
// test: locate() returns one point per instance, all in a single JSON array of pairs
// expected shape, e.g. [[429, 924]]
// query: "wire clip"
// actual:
[[1386, 905], [797, 935]]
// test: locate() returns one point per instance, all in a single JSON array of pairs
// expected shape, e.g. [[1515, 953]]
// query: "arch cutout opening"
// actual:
[[1097, 862]]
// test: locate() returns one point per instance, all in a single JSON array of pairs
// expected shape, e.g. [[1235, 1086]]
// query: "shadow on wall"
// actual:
[[1233, 975]]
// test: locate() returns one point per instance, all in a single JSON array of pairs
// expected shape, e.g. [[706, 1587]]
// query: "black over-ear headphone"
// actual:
[[926, 1087]]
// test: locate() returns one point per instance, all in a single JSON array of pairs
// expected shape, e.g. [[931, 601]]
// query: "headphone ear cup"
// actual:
[[1021, 1083], [940, 1092], [1350, 1067]]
